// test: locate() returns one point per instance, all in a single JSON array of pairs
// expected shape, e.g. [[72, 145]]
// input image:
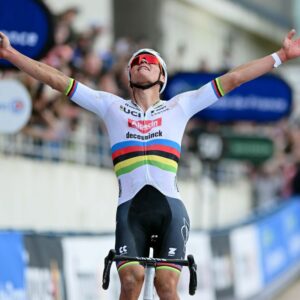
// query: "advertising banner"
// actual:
[[248, 277], [291, 229], [28, 24], [256, 149], [12, 266], [279, 238], [15, 106], [265, 99], [44, 275], [84, 264], [273, 246], [199, 246], [222, 265], [215, 146]]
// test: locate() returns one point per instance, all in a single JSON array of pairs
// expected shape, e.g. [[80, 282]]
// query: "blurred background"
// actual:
[[239, 173]]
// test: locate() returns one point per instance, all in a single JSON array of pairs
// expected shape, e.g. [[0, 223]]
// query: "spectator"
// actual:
[[296, 181], [267, 186]]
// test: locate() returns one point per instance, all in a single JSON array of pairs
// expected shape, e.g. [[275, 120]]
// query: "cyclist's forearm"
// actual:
[[39, 70], [246, 72]]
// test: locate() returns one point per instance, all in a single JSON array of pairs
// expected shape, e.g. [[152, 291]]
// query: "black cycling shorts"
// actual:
[[148, 214]]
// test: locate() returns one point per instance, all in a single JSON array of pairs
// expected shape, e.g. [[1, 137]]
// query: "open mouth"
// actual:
[[144, 67]]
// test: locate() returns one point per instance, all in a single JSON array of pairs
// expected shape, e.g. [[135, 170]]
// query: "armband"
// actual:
[[217, 86], [70, 87], [277, 60]]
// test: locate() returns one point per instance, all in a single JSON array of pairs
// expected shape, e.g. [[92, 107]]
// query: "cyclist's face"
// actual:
[[145, 69]]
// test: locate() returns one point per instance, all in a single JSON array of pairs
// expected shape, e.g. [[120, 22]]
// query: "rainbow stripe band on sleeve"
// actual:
[[217, 87], [71, 88]]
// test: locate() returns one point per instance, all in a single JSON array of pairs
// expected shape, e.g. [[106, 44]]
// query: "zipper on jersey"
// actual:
[[145, 153], [144, 114]]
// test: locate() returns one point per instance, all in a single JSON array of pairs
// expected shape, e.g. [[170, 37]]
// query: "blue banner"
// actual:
[[28, 24], [265, 99], [279, 239], [12, 266], [290, 221]]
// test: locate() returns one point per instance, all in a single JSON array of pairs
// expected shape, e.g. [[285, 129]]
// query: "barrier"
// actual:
[[252, 260]]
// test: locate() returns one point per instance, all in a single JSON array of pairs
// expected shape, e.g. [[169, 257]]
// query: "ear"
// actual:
[[129, 78]]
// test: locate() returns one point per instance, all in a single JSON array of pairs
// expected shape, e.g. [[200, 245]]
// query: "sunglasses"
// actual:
[[150, 59]]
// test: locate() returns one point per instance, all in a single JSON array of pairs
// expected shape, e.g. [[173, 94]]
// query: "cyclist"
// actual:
[[145, 135]]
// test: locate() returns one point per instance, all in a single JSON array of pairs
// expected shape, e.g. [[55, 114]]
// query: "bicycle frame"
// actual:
[[150, 264]]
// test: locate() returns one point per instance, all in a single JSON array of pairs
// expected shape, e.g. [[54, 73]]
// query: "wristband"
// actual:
[[277, 60]]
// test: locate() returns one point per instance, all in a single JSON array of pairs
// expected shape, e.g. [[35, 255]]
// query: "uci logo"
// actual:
[[130, 112]]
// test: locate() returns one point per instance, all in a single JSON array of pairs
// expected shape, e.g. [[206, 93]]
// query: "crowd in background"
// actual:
[[55, 119]]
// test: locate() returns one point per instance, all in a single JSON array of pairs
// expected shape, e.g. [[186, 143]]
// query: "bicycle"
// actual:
[[150, 264]]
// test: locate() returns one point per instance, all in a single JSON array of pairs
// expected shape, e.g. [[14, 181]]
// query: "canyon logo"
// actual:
[[144, 126]]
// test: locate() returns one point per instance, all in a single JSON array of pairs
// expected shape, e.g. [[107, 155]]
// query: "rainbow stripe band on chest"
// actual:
[[160, 153]]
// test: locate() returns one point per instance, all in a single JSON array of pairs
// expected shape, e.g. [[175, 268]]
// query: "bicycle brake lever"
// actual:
[[193, 275], [107, 266]]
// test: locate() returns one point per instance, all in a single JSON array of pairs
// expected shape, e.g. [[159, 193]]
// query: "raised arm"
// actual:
[[40, 71], [249, 71]]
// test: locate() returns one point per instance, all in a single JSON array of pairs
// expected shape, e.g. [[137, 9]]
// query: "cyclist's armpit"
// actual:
[[92, 100]]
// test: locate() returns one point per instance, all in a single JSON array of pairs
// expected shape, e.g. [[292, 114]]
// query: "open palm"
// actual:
[[291, 48]]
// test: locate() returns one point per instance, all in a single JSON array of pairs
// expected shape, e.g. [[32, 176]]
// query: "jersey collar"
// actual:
[[152, 106]]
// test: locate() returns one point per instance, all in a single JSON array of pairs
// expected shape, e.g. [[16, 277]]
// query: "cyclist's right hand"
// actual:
[[4, 45]]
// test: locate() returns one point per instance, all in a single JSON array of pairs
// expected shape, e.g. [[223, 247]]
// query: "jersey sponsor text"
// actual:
[[144, 126], [149, 136]]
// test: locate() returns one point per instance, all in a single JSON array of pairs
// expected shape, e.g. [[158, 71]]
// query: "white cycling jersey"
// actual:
[[145, 146]]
